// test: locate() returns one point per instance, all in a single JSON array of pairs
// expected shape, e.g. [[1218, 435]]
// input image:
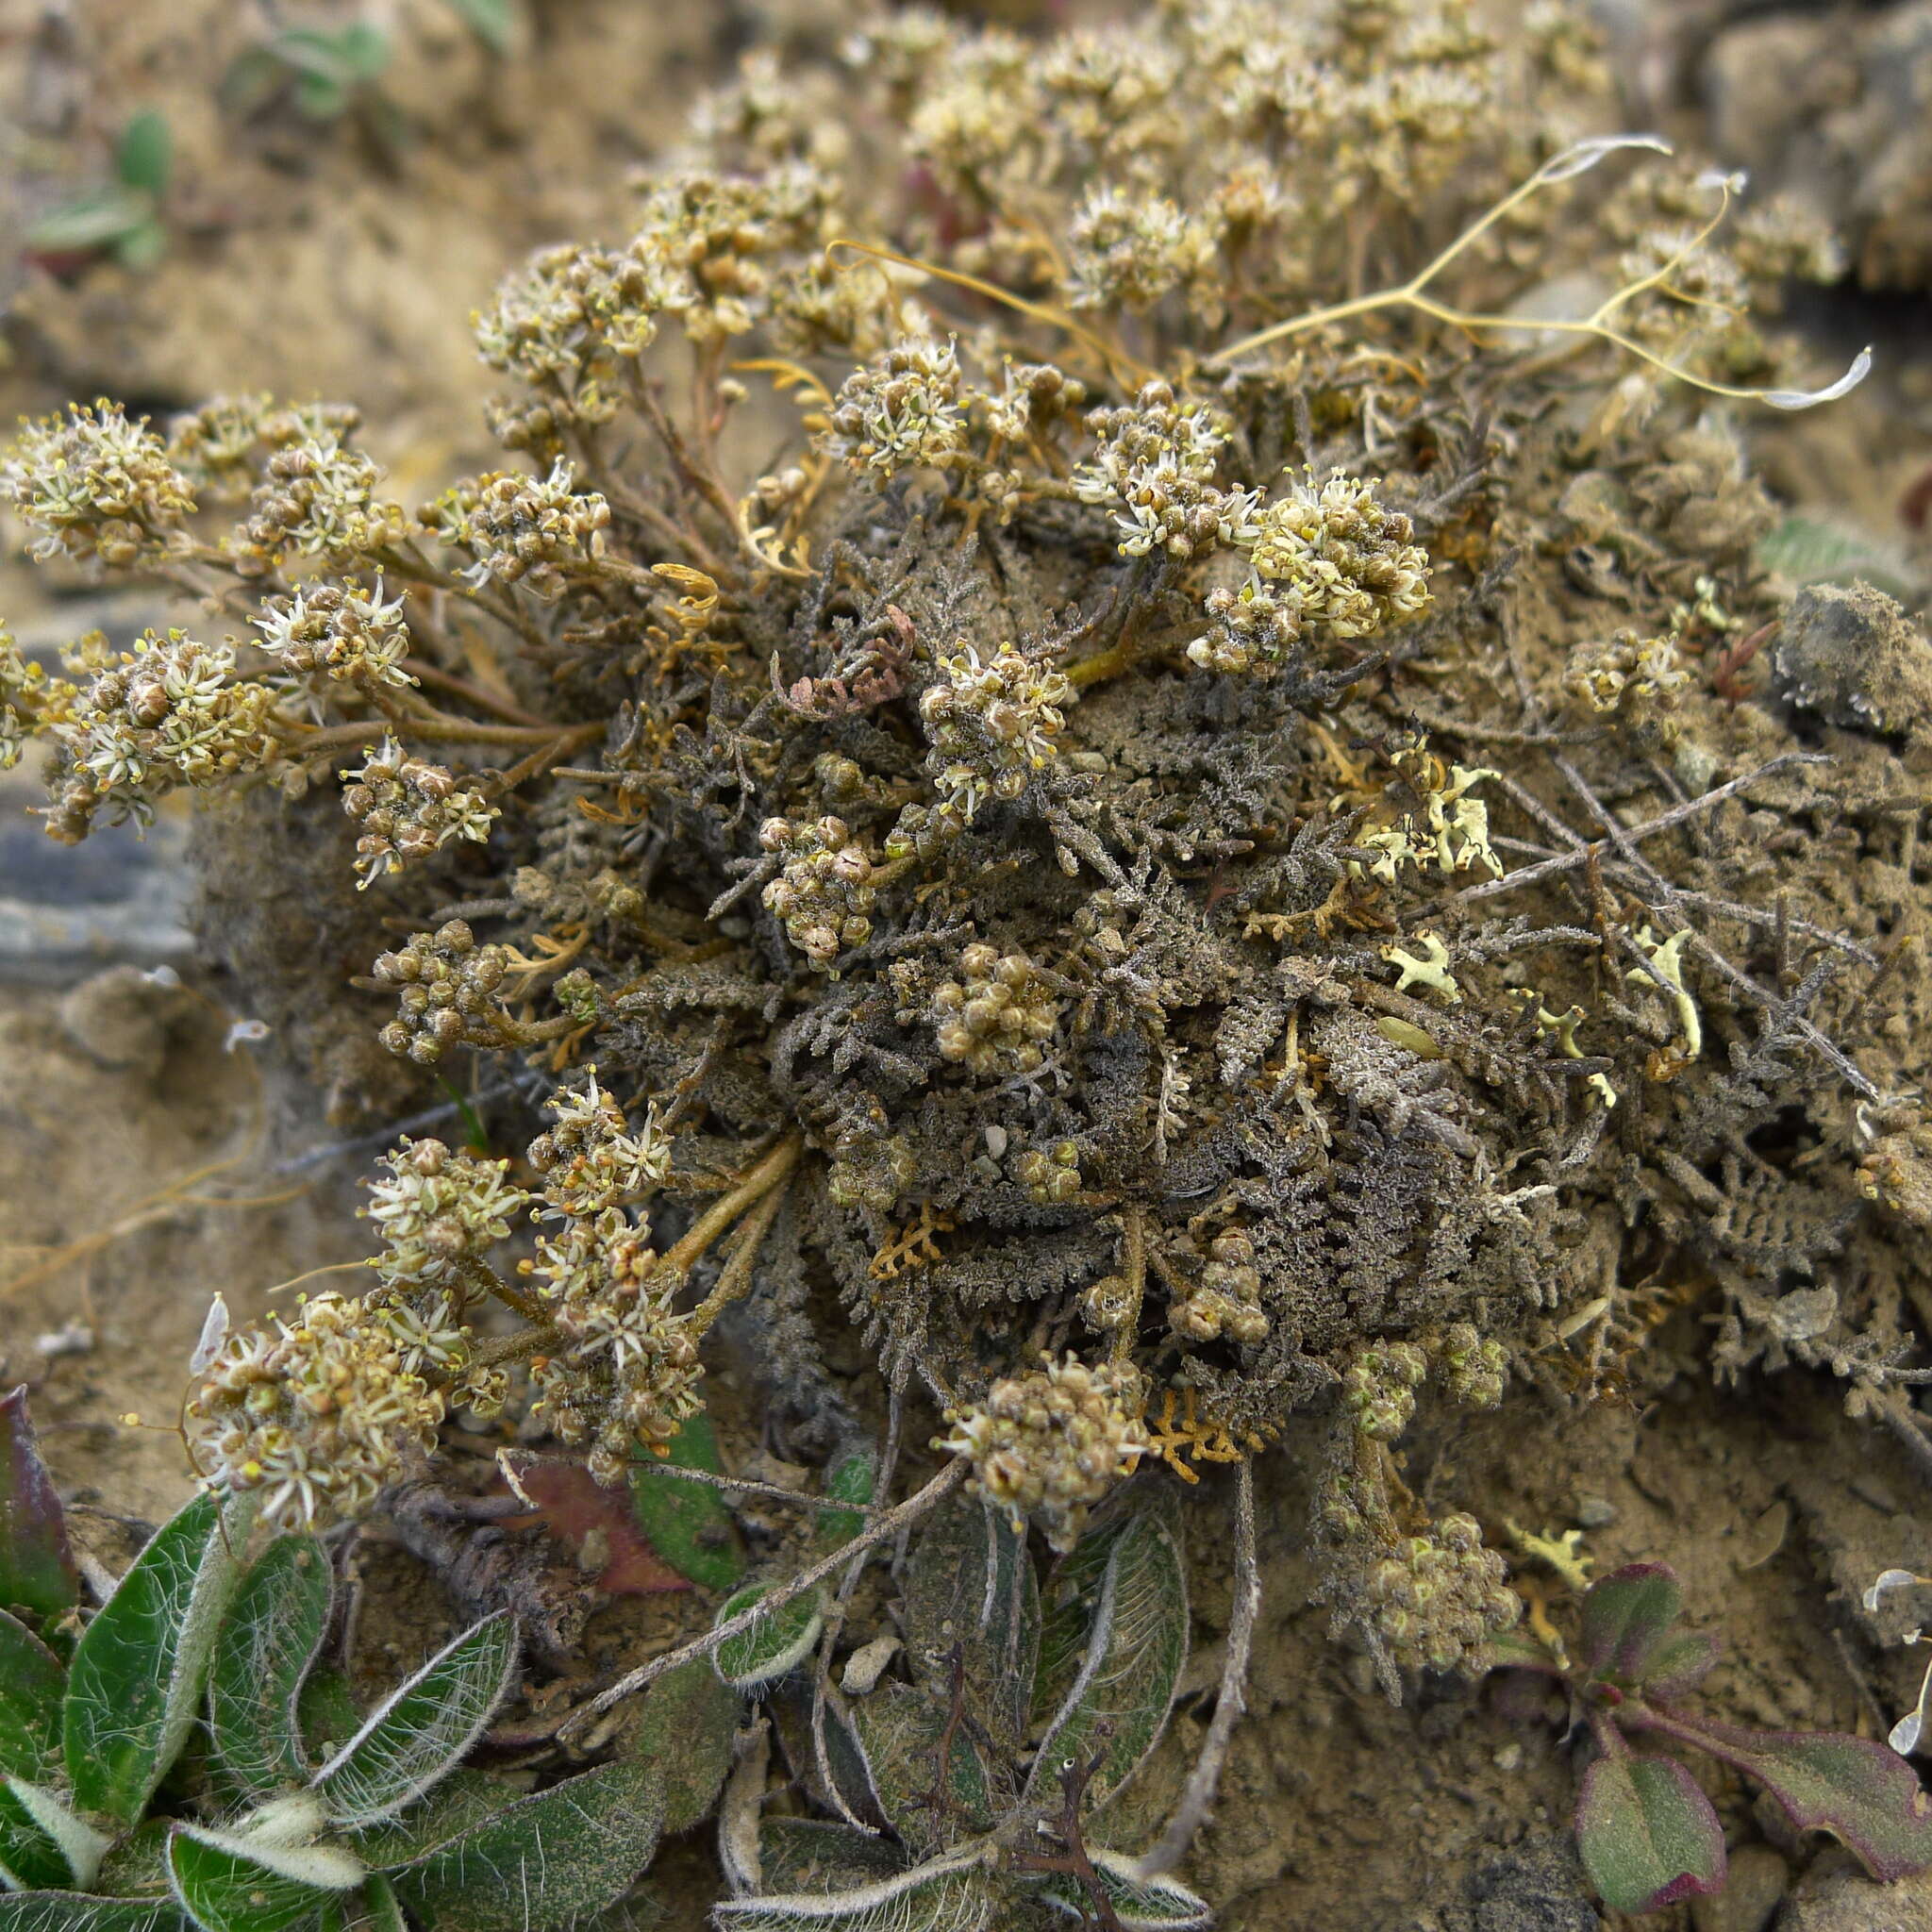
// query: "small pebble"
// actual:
[[1595, 1512], [1509, 1757]]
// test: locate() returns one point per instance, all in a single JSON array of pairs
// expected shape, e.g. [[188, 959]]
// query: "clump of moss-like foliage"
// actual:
[[1095, 726]]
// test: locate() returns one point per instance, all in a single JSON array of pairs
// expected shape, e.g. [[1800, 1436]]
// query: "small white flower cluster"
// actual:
[[1154, 468], [1129, 249], [901, 410], [318, 498], [96, 485], [337, 633], [522, 529], [1332, 560], [171, 712], [1051, 1444], [1625, 671], [992, 723], [408, 809], [823, 893], [590, 1159], [438, 1211]]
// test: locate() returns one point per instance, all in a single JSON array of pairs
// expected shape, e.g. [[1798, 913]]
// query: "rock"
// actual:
[[1850, 653], [1835, 1897], [1759, 1879], [1536, 1887]]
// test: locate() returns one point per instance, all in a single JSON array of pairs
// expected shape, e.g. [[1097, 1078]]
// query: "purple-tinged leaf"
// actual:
[[1626, 1616], [1865, 1795], [1646, 1834], [37, 1569], [1679, 1664]]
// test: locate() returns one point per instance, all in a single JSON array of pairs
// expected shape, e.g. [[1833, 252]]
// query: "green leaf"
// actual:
[[319, 98], [327, 1712], [970, 1583], [543, 1860], [489, 20], [29, 1856], [364, 50], [417, 1734], [37, 1572], [902, 1728], [688, 1524], [850, 1480], [1867, 1797], [945, 1895], [772, 1643], [1813, 549], [1137, 1902], [73, 1912], [266, 1644], [253, 79], [137, 1670], [1626, 1616], [145, 155], [1679, 1663], [1646, 1834], [810, 1854], [374, 1908], [1137, 1648], [137, 1865], [95, 219], [1073, 1592], [686, 1733], [142, 247], [80, 1846], [230, 1883], [31, 1683], [463, 1799]]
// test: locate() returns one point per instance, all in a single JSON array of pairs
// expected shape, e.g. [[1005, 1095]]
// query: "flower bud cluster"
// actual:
[[569, 315], [24, 691], [996, 1017], [720, 233], [1049, 1445], [338, 633], [589, 1159], [1474, 1369], [1050, 1174], [1379, 1388], [992, 723], [1033, 398], [317, 498], [522, 529], [1439, 1598], [222, 446], [1227, 1300], [824, 893], [901, 410], [447, 990], [1625, 671], [438, 1211], [408, 809], [1127, 250], [630, 1372], [1333, 561], [316, 1416], [168, 713], [1154, 468], [96, 485]]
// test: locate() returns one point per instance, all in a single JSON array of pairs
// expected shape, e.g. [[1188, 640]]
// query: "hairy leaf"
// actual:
[[1865, 1795], [685, 1733], [544, 1860], [970, 1583], [945, 1895], [29, 1856], [688, 1524], [810, 1854], [327, 1712], [1627, 1617], [1680, 1663], [374, 1908], [31, 1683], [74, 1912], [1137, 1648], [138, 1668], [772, 1643], [1646, 1834], [850, 1479], [902, 1729], [1136, 1902], [460, 1801], [77, 1845], [145, 154], [36, 1573], [417, 1734], [1073, 1590], [267, 1642], [227, 1883]]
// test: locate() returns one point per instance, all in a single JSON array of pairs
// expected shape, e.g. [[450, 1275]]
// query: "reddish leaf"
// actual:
[[1646, 1834], [1864, 1794], [1626, 1616], [593, 1521], [37, 1568]]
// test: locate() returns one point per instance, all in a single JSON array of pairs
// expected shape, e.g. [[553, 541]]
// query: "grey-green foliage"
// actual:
[[946, 1791], [299, 1810]]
